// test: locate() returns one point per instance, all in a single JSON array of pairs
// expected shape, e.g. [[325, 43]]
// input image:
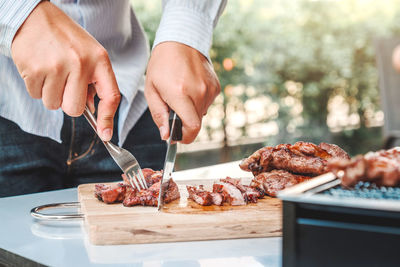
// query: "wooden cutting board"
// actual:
[[180, 220]]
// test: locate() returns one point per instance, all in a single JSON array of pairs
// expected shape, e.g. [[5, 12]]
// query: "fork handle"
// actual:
[[92, 121], [90, 118]]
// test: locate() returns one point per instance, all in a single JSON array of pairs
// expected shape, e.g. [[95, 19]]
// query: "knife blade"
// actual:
[[175, 125]]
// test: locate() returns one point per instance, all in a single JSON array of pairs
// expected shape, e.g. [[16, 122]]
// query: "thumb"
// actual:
[[159, 110], [109, 95]]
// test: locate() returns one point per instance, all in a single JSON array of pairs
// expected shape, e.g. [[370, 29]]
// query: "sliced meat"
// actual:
[[216, 198], [230, 193], [123, 192], [172, 193], [200, 196], [258, 185], [235, 182], [273, 182], [148, 197], [149, 175], [228, 190], [251, 195], [152, 178], [110, 193]]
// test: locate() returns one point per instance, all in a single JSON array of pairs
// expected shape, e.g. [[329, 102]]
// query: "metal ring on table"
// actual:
[[35, 212]]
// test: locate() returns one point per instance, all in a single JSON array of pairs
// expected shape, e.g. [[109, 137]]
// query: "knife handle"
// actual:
[[177, 131]]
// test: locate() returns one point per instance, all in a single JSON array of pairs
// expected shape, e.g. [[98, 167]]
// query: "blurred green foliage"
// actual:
[[301, 54]]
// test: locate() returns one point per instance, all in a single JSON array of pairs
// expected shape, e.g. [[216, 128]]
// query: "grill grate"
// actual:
[[365, 190]]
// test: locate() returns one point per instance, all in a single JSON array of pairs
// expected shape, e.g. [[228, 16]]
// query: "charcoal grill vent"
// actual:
[[365, 190]]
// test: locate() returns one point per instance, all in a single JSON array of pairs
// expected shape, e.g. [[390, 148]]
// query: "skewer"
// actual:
[[310, 184]]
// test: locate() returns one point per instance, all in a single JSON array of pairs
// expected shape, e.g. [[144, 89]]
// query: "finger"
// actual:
[[206, 103], [75, 93], [158, 109], [211, 97], [198, 98], [90, 98], [202, 100], [191, 121], [109, 95], [34, 85], [53, 90]]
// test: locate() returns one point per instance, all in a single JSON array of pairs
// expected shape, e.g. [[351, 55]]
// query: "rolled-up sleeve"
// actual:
[[190, 22], [12, 14]]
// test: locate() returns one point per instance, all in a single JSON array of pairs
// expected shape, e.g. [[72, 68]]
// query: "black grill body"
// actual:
[[341, 227]]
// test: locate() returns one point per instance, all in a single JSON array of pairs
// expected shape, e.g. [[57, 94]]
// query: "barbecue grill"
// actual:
[[325, 224]]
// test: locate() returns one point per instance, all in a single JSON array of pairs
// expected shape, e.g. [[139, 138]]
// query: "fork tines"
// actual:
[[136, 179]]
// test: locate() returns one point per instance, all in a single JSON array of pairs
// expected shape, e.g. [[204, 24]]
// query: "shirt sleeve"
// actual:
[[190, 22], [12, 14]]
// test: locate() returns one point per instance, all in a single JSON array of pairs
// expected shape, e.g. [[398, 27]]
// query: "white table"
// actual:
[[27, 241]]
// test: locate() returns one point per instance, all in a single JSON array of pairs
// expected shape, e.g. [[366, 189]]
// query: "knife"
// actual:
[[175, 125]]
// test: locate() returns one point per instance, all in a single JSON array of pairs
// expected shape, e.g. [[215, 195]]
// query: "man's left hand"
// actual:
[[181, 78]]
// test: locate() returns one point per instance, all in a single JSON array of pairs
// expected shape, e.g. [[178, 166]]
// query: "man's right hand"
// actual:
[[58, 60]]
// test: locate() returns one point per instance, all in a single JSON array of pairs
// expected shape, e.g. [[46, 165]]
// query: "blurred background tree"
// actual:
[[291, 70]]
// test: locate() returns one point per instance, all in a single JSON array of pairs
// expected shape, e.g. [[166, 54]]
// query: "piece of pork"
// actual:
[[230, 194], [149, 175], [251, 195], [172, 192], [381, 167], [149, 197], [112, 193], [300, 158], [274, 181], [200, 196]]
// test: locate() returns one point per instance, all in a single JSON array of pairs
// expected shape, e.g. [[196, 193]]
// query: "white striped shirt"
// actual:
[[114, 24]]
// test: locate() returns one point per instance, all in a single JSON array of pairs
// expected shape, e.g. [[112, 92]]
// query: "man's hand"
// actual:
[[58, 60], [181, 78]]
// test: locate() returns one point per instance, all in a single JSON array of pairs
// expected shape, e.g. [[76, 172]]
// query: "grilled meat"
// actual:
[[217, 198], [252, 163], [287, 159], [334, 150], [228, 190], [123, 192], [148, 197], [234, 182], [230, 194], [149, 175], [302, 158], [113, 193], [381, 167], [251, 195], [200, 196], [276, 180], [172, 192]]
